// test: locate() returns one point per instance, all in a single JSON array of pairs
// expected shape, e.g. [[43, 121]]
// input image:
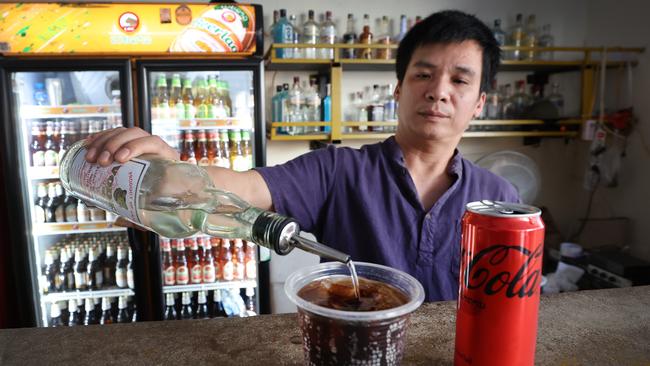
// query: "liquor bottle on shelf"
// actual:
[[294, 107], [95, 273], [55, 316], [107, 316], [327, 107], [366, 37], [384, 39], [65, 314], [531, 37], [349, 37], [499, 34], [64, 141], [295, 52], [557, 99], [170, 308], [75, 316], [122, 313], [327, 36], [402, 28], [310, 32], [201, 307], [83, 213], [186, 309], [492, 103], [312, 107], [546, 40], [517, 38], [283, 33]]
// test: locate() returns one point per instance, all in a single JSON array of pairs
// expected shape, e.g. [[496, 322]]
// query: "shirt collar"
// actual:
[[394, 154]]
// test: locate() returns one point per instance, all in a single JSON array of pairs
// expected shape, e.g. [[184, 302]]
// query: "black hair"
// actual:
[[451, 26]]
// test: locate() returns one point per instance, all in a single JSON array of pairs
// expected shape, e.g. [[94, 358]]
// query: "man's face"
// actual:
[[440, 91]]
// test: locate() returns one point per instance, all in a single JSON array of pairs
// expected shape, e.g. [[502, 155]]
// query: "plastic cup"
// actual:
[[336, 337]]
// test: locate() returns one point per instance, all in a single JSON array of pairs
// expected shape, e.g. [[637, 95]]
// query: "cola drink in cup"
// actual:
[[339, 329], [500, 276]]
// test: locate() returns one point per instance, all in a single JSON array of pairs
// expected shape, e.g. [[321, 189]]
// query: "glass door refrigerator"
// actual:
[[77, 266], [211, 112]]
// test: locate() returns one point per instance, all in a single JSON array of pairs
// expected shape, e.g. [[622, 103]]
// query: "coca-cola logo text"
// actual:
[[486, 272]]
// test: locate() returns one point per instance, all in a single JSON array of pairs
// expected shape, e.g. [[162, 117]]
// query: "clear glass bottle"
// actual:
[[350, 37], [294, 107], [516, 38], [327, 36], [296, 52], [402, 28], [557, 99], [506, 97], [499, 34], [310, 34], [177, 200], [492, 103], [546, 40], [312, 106], [531, 37], [384, 39], [366, 37], [519, 102]]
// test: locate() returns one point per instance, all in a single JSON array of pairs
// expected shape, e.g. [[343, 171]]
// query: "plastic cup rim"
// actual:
[[352, 316]]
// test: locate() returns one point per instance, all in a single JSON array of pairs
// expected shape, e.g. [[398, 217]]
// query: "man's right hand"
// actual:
[[122, 144]]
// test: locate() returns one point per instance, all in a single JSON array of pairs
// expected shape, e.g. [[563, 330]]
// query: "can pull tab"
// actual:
[[498, 207]]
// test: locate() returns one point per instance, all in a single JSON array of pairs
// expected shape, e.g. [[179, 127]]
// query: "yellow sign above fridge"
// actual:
[[40, 28]]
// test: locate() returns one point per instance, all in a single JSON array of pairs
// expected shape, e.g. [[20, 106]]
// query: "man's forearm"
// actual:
[[249, 185]]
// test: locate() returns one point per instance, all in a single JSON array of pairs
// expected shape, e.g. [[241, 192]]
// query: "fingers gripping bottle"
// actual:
[[176, 200]]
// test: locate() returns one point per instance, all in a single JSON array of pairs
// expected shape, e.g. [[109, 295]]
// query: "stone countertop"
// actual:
[[602, 327]]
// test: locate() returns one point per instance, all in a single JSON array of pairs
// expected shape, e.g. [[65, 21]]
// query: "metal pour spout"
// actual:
[[319, 249]]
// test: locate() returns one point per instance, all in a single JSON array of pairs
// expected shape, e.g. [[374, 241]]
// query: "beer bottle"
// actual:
[[95, 272], [365, 38], [110, 265], [75, 316], [217, 306], [186, 310], [216, 245], [247, 148], [40, 204], [55, 315], [51, 149], [130, 280], [209, 275], [48, 273], [194, 261], [177, 109], [160, 102], [251, 261], [188, 99], [59, 211], [96, 213], [212, 97], [239, 268], [201, 307], [188, 153], [134, 313], [51, 204], [91, 316], [122, 313], [107, 317], [66, 273], [220, 155], [201, 152], [169, 271], [114, 308], [37, 147], [212, 147], [250, 301], [170, 308], [182, 272], [120, 270], [237, 160], [64, 141], [97, 302], [65, 314], [83, 213], [223, 91], [200, 99], [225, 261], [70, 207]]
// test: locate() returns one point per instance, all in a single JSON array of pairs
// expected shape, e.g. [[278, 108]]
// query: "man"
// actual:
[[398, 202]]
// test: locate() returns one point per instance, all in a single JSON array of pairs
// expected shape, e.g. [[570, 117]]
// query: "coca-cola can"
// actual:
[[500, 276]]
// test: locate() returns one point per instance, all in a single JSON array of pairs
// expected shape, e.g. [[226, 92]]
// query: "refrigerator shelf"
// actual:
[[90, 294], [210, 286], [75, 228], [202, 123], [70, 111], [43, 172]]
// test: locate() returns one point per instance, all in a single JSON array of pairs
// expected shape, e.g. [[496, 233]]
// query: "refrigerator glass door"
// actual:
[[74, 247], [208, 116]]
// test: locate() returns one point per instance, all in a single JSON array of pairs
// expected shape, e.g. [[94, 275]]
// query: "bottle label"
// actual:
[[39, 214], [59, 213], [71, 213], [80, 280], [239, 271], [251, 270], [50, 158], [196, 273], [120, 277], [129, 279], [179, 110], [190, 111], [169, 277], [38, 158], [202, 111], [208, 273], [113, 188], [182, 275], [228, 271]]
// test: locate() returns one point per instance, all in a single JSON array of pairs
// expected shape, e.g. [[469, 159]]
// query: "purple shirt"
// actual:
[[364, 203]]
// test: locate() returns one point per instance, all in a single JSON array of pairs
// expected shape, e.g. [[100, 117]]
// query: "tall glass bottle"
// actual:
[[517, 38], [296, 52], [283, 33], [201, 99], [327, 36], [188, 100], [402, 28], [176, 200], [531, 37], [499, 34], [310, 34], [557, 99], [177, 110], [349, 37], [384, 39], [546, 40], [327, 107], [294, 106], [365, 37]]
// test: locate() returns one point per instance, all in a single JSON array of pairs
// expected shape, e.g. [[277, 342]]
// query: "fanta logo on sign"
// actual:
[[129, 22]]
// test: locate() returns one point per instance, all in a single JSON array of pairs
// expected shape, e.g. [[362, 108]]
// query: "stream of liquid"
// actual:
[[355, 279]]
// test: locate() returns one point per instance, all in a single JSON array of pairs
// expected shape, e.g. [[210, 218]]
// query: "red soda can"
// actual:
[[500, 276]]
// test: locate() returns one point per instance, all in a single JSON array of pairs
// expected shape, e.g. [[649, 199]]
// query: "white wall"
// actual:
[[562, 163]]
